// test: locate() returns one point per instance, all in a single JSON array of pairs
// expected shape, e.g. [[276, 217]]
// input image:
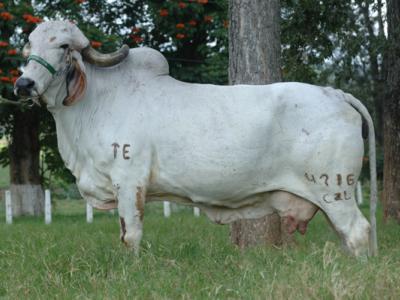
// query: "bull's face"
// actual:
[[46, 60], [55, 70]]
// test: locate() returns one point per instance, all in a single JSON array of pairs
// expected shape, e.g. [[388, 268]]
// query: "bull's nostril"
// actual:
[[24, 82], [30, 84], [24, 86]]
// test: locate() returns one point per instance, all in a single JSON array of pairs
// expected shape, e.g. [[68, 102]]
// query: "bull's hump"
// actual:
[[148, 60]]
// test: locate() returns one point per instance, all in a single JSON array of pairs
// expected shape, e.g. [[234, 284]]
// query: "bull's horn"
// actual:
[[105, 60]]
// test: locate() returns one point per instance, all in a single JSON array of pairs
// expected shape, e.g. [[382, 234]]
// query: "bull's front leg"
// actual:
[[131, 211]]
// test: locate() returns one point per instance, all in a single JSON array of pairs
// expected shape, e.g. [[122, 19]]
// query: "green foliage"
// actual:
[[183, 257], [191, 34]]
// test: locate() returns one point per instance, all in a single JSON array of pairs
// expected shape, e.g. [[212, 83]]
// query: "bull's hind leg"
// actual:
[[131, 211], [348, 221]]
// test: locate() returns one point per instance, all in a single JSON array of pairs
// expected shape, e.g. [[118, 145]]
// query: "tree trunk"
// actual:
[[391, 173], [254, 42], [255, 58], [26, 190], [376, 64]]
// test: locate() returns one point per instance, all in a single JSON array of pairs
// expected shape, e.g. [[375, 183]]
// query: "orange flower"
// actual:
[[6, 16], [79, 1], [14, 72], [5, 79], [180, 36], [202, 1], [31, 19], [226, 23], [164, 12], [135, 29], [96, 44], [1, 5], [192, 23], [3, 44], [137, 39], [180, 26], [12, 52], [208, 19], [182, 5]]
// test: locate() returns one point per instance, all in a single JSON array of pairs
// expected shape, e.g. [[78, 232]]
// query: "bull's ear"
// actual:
[[76, 84]]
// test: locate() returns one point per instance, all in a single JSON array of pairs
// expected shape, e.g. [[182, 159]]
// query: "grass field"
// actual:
[[183, 258]]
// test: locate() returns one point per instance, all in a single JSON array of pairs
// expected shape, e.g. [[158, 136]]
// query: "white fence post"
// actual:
[[196, 211], [167, 209], [47, 207], [9, 215], [359, 193], [89, 213]]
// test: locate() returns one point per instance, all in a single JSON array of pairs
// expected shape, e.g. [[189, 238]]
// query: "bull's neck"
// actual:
[[75, 124]]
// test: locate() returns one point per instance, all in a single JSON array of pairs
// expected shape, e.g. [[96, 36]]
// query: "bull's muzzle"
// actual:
[[23, 87]]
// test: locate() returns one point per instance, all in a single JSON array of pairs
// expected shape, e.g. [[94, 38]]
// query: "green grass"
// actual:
[[183, 258]]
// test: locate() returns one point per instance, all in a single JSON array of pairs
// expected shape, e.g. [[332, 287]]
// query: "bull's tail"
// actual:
[[373, 242]]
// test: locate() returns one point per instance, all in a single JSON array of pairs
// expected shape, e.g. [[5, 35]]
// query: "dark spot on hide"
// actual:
[[140, 202], [123, 229], [338, 196], [305, 131]]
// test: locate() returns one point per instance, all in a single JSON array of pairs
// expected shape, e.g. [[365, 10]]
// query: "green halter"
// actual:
[[44, 63]]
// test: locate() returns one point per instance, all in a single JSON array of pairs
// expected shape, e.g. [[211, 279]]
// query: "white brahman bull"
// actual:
[[130, 133]]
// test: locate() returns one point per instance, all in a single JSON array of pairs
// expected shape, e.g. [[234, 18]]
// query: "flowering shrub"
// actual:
[[192, 35], [208, 19], [192, 23], [137, 39], [164, 12], [96, 44], [31, 19], [182, 5], [6, 16]]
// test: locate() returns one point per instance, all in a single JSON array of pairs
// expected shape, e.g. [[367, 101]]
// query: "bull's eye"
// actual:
[[64, 46]]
